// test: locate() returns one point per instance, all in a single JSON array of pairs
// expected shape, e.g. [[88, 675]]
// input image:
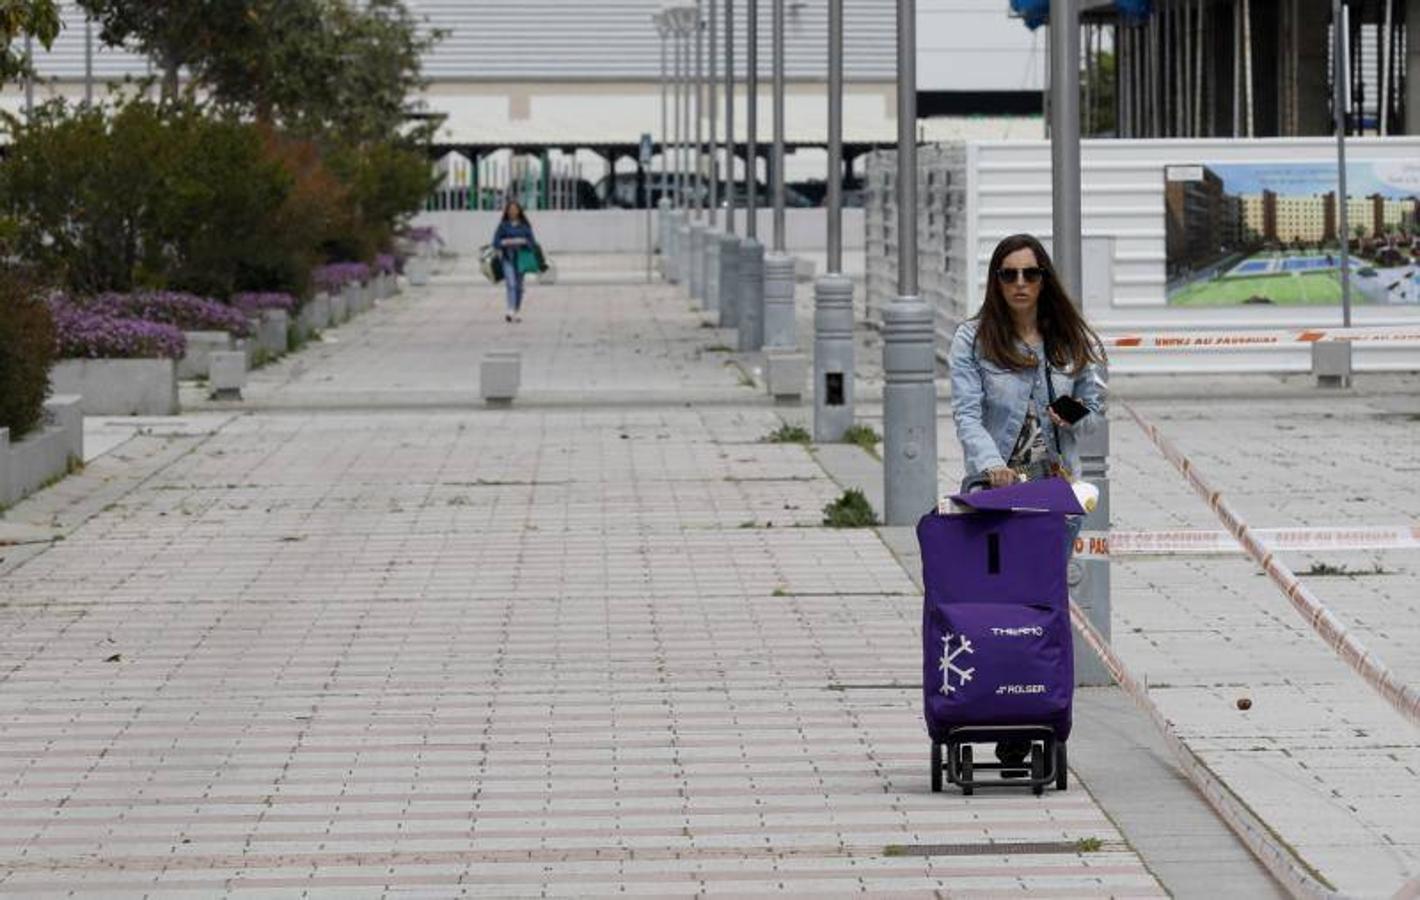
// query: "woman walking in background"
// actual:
[[516, 245], [1026, 386]]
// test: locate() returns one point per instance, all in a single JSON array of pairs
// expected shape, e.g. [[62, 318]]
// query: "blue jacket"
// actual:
[[989, 404], [514, 230]]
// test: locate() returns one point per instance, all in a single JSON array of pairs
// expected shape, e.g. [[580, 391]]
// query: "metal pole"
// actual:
[[1342, 29], [714, 97], [1065, 141], [778, 154], [752, 141], [88, 61], [729, 276], [665, 102], [835, 136], [1385, 69], [1089, 579], [751, 298], [731, 197], [29, 79], [676, 165], [833, 292], [699, 196], [909, 359], [1247, 62]]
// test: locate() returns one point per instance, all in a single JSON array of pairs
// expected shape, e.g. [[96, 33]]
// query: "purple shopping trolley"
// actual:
[[998, 664]]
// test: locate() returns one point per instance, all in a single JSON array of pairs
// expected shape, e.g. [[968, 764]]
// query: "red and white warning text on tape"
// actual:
[[1097, 544], [1231, 340]]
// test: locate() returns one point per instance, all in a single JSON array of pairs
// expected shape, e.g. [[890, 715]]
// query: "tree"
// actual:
[[38, 19], [312, 65], [175, 33]]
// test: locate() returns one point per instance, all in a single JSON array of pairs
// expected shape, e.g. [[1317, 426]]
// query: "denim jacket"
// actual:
[[512, 231], [989, 404]]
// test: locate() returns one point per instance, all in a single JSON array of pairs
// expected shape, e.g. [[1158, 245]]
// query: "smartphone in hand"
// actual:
[[1070, 409]]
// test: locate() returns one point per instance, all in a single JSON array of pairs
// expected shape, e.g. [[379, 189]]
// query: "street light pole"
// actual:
[[777, 156], [751, 335], [909, 360], [713, 98], [1089, 579], [729, 283], [833, 292], [1340, 102], [779, 325]]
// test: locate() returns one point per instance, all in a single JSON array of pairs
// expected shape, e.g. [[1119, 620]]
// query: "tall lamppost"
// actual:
[[833, 293], [779, 330], [710, 293], [695, 250], [1088, 578], [663, 203], [729, 242], [751, 325], [909, 360]]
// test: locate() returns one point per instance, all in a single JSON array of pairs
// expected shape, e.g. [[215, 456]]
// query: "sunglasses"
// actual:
[[1032, 275]]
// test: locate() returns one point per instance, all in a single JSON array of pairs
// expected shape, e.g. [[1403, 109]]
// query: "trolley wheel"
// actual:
[[1037, 769], [967, 776], [936, 768], [1062, 772]]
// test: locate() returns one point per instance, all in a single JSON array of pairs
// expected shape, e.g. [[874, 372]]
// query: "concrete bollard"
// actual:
[[729, 281], [500, 376], [1088, 577], [695, 278], [785, 372], [418, 269], [682, 251], [663, 228], [672, 254], [833, 357], [228, 374], [780, 329], [909, 411], [710, 300], [751, 317], [1331, 363]]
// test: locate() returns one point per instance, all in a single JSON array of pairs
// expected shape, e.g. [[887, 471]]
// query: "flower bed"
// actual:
[[87, 333], [253, 305], [386, 263], [187, 312], [330, 279]]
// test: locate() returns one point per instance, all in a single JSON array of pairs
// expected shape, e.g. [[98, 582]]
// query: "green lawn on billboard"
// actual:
[[1308, 289]]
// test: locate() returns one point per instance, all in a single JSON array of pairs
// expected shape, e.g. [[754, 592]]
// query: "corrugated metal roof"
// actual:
[[540, 40]]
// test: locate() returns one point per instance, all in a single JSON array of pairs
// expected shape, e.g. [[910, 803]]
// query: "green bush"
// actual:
[[26, 353], [140, 196], [387, 183], [851, 510]]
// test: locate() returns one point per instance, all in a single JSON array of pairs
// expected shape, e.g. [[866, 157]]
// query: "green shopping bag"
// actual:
[[527, 261]]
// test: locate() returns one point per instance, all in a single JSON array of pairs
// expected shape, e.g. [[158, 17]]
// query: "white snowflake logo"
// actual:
[[949, 666]]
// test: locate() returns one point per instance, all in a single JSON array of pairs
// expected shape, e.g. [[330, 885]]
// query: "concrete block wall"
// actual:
[[44, 455]]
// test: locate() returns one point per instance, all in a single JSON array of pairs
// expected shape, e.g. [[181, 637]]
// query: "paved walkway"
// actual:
[[365, 637]]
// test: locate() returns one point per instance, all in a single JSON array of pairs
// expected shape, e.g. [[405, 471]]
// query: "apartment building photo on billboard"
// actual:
[[1260, 232]]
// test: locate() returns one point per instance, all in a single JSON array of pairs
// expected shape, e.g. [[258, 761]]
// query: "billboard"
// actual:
[[1269, 233]]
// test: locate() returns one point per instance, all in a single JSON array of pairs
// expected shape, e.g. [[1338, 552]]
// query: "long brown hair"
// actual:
[[1069, 341]]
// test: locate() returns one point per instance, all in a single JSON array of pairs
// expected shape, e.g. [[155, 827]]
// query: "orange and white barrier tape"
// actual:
[[1279, 860], [1233, 340], [1402, 697], [1099, 544]]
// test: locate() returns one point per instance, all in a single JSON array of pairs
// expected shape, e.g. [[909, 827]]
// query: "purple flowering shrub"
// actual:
[[386, 263], [335, 276], [187, 312], [84, 332], [252, 304]]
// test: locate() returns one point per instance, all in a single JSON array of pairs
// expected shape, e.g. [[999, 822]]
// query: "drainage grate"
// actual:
[[1019, 848]]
